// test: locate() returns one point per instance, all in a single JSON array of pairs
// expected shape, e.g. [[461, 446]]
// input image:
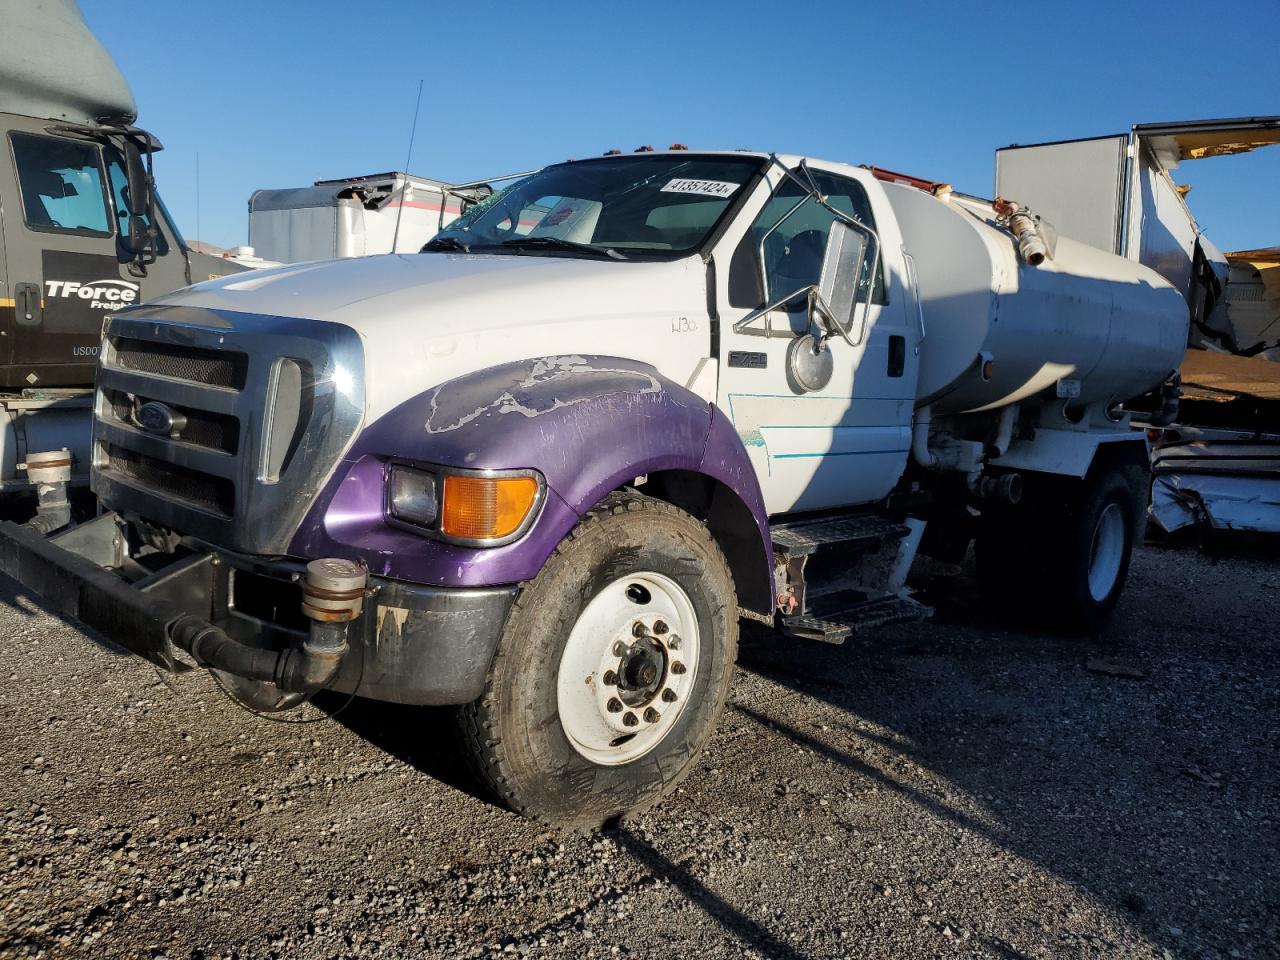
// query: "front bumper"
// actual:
[[412, 644]]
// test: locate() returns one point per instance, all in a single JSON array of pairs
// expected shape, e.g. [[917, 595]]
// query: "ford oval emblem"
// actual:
[[159, 418]]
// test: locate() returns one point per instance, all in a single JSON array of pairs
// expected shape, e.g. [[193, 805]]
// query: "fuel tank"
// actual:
[[999, 330]]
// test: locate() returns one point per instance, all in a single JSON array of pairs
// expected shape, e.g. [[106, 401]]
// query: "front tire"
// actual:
[[612, 670]]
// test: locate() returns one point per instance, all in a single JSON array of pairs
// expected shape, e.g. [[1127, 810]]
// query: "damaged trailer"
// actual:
[[358, 216], [1215, 424]]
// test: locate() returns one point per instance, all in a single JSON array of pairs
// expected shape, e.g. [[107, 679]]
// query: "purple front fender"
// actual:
[[588, 424]]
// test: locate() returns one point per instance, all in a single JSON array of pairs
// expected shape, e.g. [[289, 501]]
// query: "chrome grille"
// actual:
[[213, 367], [215, 494], [217, 431], [260, 413]]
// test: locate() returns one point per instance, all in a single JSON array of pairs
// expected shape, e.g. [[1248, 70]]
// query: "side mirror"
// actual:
[[831, 306], [138, 238]]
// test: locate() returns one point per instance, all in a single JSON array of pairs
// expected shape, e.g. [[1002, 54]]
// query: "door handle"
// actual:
[[26, 297]]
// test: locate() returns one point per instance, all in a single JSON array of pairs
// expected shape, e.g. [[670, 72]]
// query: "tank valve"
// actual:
[[1024, 229], [50, 471]]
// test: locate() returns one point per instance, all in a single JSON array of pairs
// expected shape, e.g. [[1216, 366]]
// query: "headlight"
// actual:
[[479, 508], [412, 495]]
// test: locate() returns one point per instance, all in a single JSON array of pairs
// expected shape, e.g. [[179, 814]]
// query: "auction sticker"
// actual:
[[706, 188]]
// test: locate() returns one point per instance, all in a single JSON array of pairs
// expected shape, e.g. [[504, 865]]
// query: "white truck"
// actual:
[[541, 469]]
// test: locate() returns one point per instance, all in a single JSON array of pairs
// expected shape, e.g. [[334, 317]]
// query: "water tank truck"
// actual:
[[540, 470]]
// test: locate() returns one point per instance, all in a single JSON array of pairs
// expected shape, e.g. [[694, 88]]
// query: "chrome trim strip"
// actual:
[[183, 393]]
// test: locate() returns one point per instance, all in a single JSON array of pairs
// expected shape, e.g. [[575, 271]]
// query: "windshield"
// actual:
[[627, 207]]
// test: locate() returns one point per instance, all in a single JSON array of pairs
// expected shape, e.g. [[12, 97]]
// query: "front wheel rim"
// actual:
[[628, 668], [1106, 554]]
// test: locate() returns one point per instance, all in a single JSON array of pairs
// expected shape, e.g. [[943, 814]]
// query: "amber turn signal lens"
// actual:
[[486, 508]]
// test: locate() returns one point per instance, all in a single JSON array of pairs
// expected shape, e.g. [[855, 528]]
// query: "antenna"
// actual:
[[395, 237]]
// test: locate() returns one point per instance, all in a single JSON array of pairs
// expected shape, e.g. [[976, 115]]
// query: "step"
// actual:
[[857, 613], [802, 537], [811, 628]]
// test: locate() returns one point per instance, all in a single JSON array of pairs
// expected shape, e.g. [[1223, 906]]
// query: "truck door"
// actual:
[[846, 443], [66, 269]]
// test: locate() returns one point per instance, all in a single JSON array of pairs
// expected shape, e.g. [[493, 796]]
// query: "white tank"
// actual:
[[1114, 326]]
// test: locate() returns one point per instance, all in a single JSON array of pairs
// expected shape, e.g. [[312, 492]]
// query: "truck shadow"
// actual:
[[734, 921], [422, 737], [1108, 782]]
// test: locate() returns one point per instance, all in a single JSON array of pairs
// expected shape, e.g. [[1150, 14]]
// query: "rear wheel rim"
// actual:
[[1106, 554], [628, 667]]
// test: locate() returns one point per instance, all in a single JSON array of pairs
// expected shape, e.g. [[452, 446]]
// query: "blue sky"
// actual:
[[280, 93]]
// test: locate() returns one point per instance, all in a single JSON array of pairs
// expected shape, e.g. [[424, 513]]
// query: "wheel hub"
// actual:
[[641, 671], [628, 668], [1106, 553]]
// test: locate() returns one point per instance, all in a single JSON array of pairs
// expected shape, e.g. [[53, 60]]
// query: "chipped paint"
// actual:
[[398, 614], [550, 384]]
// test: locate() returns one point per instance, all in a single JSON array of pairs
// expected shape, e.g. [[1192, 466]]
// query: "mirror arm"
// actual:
[[767, 310], [819, 307]]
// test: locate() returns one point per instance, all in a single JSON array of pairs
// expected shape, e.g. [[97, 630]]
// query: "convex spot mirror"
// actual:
[[831, 308]]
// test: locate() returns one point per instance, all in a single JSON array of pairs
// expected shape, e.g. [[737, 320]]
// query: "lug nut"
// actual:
[[660, 627], [610, 678], [629, 720], [638, 629], [620, 649], [669, 695], [614, 705], [673, 642], [677, 667], [652, 716]]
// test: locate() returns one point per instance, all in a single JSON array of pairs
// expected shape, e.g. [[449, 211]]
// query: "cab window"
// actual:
[[794, 251], [62, 185]]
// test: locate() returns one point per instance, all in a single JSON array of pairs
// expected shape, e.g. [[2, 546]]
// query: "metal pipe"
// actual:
[[49, 471], [920, 438], [294, 670], [1030, 244], [1004, 431]]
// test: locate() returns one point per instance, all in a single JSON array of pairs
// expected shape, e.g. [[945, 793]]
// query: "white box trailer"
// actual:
[[353, 217]]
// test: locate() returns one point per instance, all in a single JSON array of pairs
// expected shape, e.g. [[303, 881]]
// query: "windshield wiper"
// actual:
[[446, 243], [555, 243]]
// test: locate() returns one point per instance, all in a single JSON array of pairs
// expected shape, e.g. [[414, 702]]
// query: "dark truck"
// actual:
[[83, 231]]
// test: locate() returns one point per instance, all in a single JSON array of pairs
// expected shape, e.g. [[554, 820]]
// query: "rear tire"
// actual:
[[1061, 558], [612, 670]]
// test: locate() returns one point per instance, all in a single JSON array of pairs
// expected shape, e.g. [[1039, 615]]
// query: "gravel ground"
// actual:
[[952, 789]]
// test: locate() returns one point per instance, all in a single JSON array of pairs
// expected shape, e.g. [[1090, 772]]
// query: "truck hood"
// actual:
[[426, 318]]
